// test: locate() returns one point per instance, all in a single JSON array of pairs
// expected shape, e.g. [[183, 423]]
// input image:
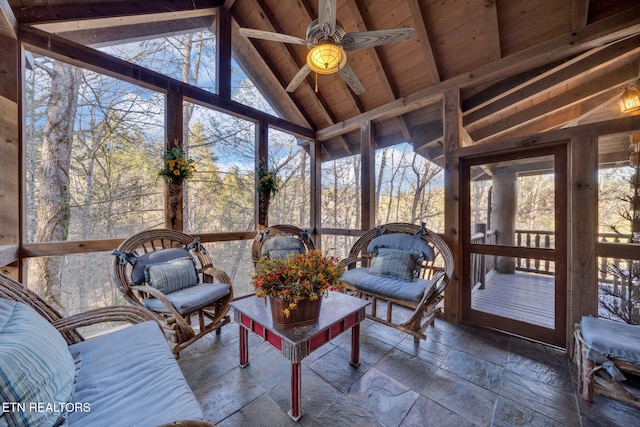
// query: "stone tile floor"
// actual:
[[460, 376]]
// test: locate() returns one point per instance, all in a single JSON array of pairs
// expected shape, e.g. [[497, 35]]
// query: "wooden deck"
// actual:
[[526, 297]]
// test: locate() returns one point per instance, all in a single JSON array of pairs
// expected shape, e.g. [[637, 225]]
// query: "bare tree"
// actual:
[[52, 207]]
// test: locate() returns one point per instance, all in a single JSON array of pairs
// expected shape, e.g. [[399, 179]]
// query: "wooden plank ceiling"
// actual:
[[522, 67]]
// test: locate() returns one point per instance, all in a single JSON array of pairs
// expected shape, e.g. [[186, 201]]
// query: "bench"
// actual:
[[49, 373], [402, 265], [604, 351]]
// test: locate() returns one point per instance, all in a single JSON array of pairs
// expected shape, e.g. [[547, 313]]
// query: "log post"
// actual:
[[504, 214]]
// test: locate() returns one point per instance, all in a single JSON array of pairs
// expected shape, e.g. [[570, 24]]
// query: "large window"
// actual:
[[93, 149], [409, 188], [290, 161], [619, 223], [190, 58]]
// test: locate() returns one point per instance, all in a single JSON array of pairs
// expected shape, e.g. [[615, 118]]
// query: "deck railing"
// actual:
[[483, 264]]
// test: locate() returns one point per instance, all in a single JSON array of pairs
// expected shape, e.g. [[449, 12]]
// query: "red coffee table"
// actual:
[[339, 312]]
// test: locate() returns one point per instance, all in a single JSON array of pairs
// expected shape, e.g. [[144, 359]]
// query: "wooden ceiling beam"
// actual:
[[553, 120], [8, 22], [425, 42], [493, 30], [381, 70], [579, 14], [600, 33], [82, 16], [100, 37], [576, 68], [579, 94], [270, 84]]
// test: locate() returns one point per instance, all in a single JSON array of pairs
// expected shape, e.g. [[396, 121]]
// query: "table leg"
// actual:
[[296, 381], [244, 347], [355, 345]]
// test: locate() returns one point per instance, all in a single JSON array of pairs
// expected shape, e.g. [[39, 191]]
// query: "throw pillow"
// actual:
[[172, 275], [395, 263], [35, 366]]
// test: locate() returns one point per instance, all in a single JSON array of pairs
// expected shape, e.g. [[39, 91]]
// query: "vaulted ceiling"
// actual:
[[522, 67]]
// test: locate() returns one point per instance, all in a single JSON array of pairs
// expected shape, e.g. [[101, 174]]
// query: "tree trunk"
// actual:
[[53, 210]]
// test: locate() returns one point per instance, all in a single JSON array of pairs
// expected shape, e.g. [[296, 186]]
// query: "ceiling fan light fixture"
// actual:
[[326, 58], [630, 100]]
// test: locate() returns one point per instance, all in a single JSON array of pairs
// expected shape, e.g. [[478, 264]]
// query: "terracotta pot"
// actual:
[[306, 313]]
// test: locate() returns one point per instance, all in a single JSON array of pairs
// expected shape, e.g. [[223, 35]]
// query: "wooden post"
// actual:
[[223, 53], [11, 188], [174, 194], [582, 292], [452, 119], [367, 176], [315, 192], [504, 213], [262, 160]]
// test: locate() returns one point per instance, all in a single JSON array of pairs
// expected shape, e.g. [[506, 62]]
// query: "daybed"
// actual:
[[49, 373], [404, 265], [604, 351]]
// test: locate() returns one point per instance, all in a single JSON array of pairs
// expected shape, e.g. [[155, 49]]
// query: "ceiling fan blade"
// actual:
[[266, 35], [354, 41], [298, 78], [327, 16], [351, 79]]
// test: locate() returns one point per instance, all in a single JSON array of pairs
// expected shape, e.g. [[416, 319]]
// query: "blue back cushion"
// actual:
[[155, 257], [281, 247], [35, 365], [172, 276], [395, 263], [404, 242]]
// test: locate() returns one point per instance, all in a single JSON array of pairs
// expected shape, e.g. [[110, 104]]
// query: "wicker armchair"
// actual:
[[286, 234], [435, 274], [208, 299]]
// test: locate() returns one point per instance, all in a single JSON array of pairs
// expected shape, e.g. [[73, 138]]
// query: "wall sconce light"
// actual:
[[630, 100]]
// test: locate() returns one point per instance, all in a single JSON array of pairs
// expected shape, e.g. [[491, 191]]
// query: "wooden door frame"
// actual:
[[558, 255]]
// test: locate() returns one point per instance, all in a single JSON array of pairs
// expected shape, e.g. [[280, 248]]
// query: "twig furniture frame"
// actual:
[[439, 271], [67, 326], [178, 326], [280, 230], [594, 378]]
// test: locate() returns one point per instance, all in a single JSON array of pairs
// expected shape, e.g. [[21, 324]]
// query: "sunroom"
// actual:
[[507, 128]]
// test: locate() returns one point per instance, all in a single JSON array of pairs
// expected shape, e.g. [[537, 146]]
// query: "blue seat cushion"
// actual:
[[130, 378], [281, 247], [402, 241], [612, 339], [190, 299], [361, 278], [36, 366]]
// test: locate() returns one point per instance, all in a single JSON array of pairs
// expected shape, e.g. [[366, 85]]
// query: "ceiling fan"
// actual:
[[327, 41]]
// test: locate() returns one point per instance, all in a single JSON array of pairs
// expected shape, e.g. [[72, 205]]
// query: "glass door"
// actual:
[[514, 213]]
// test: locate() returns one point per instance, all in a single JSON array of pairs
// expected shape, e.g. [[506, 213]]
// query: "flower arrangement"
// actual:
[[176, 167], [268, 181], [299, 277]]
